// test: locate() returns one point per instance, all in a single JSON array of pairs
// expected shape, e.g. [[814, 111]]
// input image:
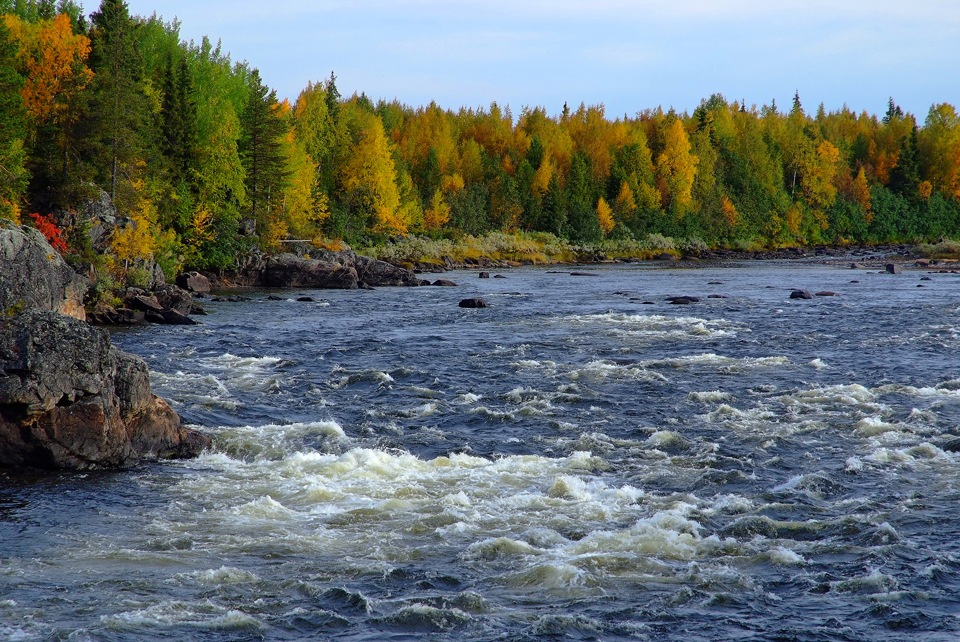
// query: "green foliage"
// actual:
[[13, 174]]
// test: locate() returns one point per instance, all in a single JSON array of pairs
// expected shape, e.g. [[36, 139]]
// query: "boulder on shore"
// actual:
[[193, 282], [34, 275], [69, 399]]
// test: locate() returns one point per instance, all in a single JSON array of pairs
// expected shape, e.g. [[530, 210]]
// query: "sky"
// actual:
[[627, 55]]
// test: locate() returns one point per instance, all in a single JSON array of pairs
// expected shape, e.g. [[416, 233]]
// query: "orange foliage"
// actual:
[[53, 57]]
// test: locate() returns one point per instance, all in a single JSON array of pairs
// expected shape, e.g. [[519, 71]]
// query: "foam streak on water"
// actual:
[[567, 464]]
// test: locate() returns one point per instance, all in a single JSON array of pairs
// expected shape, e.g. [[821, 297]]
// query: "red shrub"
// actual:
[[50, 230]]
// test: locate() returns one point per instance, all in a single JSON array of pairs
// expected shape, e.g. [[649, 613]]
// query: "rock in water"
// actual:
[[34, 275], [893, 268], [801, 294], [69, 399], [484, 275], [475, 302], [445, 283]]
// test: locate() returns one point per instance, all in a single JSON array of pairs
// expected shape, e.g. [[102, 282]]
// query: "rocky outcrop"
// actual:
[[69, 399], [166, 304], [34, 275], [326, 269], [291, 271]]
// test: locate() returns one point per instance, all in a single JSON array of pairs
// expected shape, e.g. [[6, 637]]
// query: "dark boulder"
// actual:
[[69, 399], [893, 268], [584, 274], [801, 294], [305, 299], [34, 276], [475, 302], [291, 271], [444, 283], [499, 276], [484, 275], [716, 296], [666, 256], [171, 297], [682, 300], [826, 293]]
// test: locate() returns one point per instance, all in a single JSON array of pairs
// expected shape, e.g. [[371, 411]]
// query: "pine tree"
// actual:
[[118, 105], [261, 148]]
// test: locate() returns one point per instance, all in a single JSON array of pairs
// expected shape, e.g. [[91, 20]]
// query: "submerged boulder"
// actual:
[[34, 275], [475, 302], [69, 399], [801, 294]]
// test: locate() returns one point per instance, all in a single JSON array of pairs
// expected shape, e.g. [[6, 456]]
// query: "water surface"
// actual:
[[570, 463]]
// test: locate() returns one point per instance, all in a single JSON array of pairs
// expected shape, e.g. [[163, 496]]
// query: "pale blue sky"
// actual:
[[629, 55]]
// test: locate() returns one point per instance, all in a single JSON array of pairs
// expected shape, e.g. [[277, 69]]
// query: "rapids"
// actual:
[[569, 463]]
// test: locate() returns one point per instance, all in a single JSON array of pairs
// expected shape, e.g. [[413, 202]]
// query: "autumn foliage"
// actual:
[[49, 229], [207, 165]]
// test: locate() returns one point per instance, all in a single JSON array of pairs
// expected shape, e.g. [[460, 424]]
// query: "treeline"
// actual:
[[199, 153]]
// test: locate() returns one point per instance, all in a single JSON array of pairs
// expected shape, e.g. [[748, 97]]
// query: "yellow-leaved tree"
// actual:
[[605, 216], [370, 176], [676, 168], [437, 214]]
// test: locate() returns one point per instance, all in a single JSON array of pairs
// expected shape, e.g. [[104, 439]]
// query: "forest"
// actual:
[[205, 164]]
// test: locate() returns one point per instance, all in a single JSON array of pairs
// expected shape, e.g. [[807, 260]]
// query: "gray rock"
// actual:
[[444, 283], [193, 282], [666, 256], [893, 268], [826, 293], [171, 297], [69, 399], [484, 275], [801, 294], [34, 275], [475, 302]]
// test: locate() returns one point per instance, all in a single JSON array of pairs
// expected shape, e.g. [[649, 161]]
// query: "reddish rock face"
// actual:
[[69, 399]]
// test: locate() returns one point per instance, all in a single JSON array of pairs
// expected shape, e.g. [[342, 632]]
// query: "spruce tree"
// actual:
[[905, 177], [13, 176], [118, 107], [261, 148]]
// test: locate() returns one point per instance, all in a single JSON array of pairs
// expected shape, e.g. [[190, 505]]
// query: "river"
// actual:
[[581, 460]]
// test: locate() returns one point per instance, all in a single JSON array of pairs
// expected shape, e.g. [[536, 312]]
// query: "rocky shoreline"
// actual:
[[68, 398]]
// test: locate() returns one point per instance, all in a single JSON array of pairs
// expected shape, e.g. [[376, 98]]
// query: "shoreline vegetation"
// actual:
[[134, 151]]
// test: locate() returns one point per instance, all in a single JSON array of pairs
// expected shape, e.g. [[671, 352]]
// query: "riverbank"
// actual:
[[423, 254]]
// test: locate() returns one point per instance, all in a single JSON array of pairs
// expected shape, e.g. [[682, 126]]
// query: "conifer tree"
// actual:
[[261, 148], [118, 106], [13, 176]]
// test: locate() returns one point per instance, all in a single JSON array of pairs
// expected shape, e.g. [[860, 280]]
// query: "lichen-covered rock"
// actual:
[[34, 275], [69, 399]]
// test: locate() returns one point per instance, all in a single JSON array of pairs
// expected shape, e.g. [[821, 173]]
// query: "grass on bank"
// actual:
[[525, 247]]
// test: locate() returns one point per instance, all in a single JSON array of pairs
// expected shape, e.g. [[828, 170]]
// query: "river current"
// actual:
[[572, 462]]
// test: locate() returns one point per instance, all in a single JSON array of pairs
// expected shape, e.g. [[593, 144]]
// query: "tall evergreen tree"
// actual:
[[905, 177], [118, 107], [261, 147], [13, 176], [178, 119]]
